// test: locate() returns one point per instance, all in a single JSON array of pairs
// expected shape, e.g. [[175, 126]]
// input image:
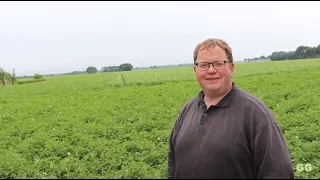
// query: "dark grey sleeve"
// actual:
[[174, 132], [171, 158], [271, 156]]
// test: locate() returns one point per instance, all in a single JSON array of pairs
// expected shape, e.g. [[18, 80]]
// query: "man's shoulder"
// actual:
[[192, 102], [254, 104], [187, 108], [190, 106], [249, 98]]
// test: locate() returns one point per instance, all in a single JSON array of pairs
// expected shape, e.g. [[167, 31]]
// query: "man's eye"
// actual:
[[203, 65]]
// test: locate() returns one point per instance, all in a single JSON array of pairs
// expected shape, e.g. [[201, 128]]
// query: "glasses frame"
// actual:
[[213, 65]]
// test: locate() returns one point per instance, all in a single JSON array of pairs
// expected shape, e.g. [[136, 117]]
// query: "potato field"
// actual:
[[117, 125]]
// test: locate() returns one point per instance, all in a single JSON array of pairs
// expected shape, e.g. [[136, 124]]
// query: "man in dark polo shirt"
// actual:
[[225, 132]]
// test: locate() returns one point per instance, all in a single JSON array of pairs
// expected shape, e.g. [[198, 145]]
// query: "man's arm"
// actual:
[[271, 156], [171, 158], [174, 132]]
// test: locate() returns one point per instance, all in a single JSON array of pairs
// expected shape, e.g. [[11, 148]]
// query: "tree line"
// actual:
[[6, 77], [121, 67], [302, 52]]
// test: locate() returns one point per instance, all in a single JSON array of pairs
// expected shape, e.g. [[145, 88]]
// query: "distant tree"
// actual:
[[290, 55], [13, 79], [309, 52], [280, 55], [126, 67], [76, 72], [104, 69], [301, 52], [91, 70], [313, 52], [3, 76], [110, 69], [37, 76]]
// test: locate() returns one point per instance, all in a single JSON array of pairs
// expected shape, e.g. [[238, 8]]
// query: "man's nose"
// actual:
[[211, 69]]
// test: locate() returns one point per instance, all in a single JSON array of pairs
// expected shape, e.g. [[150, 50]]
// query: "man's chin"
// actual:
[[212, 87]]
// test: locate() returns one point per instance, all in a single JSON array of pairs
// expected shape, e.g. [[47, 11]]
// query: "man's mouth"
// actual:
[[212, 79]]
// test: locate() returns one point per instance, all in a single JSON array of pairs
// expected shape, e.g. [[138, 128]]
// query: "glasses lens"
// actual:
[[205, 66], [219, 65]]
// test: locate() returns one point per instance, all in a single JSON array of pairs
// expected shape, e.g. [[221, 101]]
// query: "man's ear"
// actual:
[[194, 68], [232, 68]]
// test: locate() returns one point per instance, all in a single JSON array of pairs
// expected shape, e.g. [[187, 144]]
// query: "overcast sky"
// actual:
[[56, 37]]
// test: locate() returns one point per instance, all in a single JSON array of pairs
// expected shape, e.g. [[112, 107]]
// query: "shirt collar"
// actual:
[[224, 102]]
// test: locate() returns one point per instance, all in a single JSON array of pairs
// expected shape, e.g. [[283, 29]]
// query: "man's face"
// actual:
[[213, 80]]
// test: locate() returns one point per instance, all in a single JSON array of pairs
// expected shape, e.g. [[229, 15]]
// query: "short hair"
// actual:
[[211, 43]]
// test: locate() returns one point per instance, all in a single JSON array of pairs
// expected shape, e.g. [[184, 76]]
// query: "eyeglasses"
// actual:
[[204, 66]]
